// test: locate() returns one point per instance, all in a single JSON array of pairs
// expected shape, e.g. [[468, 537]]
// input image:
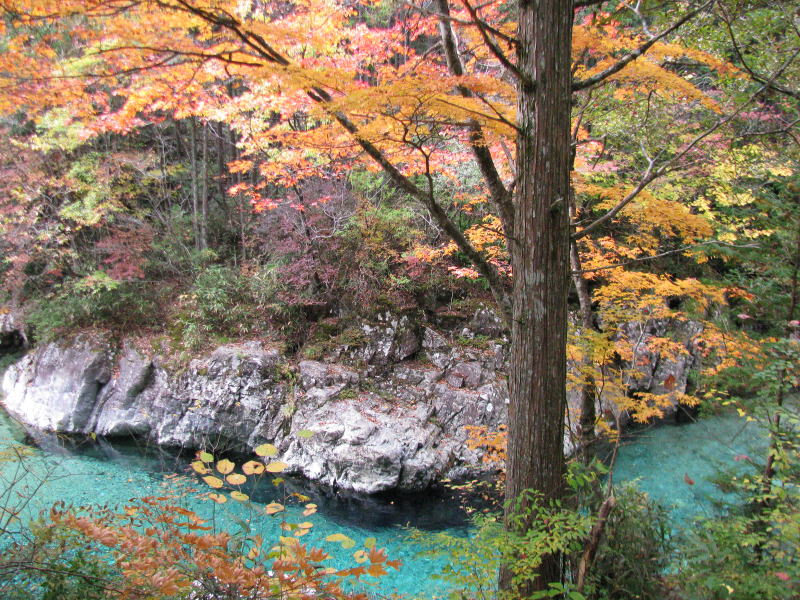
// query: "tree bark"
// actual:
[[540, 262], [204, 192], [195, 195], [587, 390]]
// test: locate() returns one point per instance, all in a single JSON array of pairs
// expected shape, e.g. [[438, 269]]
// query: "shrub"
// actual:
[[95, 300], [635, 549]]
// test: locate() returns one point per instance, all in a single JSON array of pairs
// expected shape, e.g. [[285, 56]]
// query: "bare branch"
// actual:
[[498, 192], [750, 71], [494, 48]]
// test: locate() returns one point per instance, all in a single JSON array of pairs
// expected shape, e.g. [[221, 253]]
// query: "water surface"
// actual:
[[675, 465]]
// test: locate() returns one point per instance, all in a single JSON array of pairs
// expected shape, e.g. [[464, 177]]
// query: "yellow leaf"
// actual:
[[253, 467], [342, 539], [276, 467], [206, 457], [240, 496], [218, 498], [225, 466], [266, 450], [212, 481], [360, 556], [274, 507], [200, 467], [236, 479]]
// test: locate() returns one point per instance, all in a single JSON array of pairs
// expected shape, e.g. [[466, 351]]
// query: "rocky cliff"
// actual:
[[387, 411]]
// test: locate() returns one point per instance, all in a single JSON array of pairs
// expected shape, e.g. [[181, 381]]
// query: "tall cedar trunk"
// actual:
[[540, 259]]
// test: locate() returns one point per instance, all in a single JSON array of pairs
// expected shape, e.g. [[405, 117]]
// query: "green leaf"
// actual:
[[304, 433]]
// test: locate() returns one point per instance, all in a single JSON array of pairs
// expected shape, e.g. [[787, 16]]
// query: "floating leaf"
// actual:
[[301, 497], [200, 467], [277, 481], [218, 498], [360, 556], [305, 525], [206, 457], [342, 539], [376, 570], [236, 479], [304, 433], [310, 510], [214, 482], [225, 466], [253, 467], [276, 466], [274, 507], [370, 542], [240, 496], [266, 450]]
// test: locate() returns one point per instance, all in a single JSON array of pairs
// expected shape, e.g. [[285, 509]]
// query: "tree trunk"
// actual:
[[204, 192], [540, 261], [195, 195], [587, 390]]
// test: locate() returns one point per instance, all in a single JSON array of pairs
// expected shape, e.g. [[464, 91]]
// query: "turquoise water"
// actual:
[[660, 460], [104, 474], [664, 460]]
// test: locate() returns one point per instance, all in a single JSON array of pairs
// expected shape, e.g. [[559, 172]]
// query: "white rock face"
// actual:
[[379, 420], [56, 387]]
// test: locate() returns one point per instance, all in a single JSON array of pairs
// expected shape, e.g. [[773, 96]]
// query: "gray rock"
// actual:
[[392, 339], [56, 387], [391, 423]]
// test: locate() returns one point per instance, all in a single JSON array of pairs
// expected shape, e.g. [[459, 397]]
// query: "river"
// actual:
[[662, 460]]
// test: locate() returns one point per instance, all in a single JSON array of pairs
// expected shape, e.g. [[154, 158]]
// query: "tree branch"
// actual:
[[753, 75], [627, 59], [480, 149], [651, 174], [493, 47]]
